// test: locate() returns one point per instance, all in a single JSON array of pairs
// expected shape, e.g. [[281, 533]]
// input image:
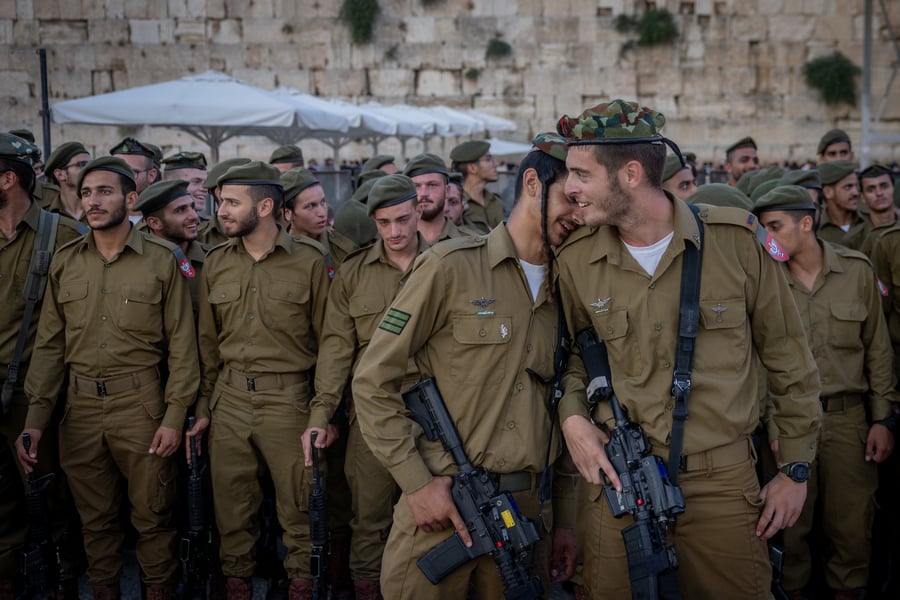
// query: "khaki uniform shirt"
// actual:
[[362, 290], [874, 232], [886, 259], [853, 238], [102, 319], [260, 317], [845, 328], [483, 218], [451, 230], [15, 260], [209, 233], [196, 254], [746, 309], [338, 246], [45, 193], [57, 206], [468, 317]]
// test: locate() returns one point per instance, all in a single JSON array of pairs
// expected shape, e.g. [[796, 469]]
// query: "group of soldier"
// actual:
[[270, 322]]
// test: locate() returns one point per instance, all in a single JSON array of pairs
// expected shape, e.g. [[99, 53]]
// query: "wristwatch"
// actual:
[[889, 422], [798, 471]]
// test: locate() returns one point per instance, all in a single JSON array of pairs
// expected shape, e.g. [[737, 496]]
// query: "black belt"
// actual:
[[263, 382], [839, 402], [518, 481], [115, 384]]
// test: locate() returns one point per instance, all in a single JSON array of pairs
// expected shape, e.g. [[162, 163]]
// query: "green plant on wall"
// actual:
[[497, 49], [359, 17], [652, 28], [834, 77], [472, 74]]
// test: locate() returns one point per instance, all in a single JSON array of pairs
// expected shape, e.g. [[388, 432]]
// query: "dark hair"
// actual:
[[652, 157], [23, 171], [260, 192], [127, 184], [460, 166]]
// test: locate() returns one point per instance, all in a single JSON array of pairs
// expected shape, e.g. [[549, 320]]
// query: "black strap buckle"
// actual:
[[101, 388], [681, 387], [251, 384]]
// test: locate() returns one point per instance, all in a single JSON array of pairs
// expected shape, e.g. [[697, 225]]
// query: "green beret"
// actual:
[[297, 180], [13, 147], [808, 179], [377, 161], [366, 176], [759, 176], [390, 190], [252, 173], [25, 134], [425, 163], [745, 142], [219, 169], [834, 170], [470, 151], [613, 122], [832, 137], [673, 165], [361, 194], [131, 146], [157, 153], [762, 189], [551, 144], [876, 170], [113, 164], [159, 194], [185, 160], [61, 156], [286, 154], [456, 178], [352, 220], [720, 194], [784, 197]]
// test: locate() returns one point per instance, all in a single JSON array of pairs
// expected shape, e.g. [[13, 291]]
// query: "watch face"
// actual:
[[799, 472]]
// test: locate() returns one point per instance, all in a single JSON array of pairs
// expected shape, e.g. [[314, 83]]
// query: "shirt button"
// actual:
[[253, 290], [658, 326], [251, 317], [511, 425], [529, 348], [666, 365], [520, 386], [609, 330], [669, 405], [102, 317], [103, 345], [501, 462], [482, 332], [653, 286]]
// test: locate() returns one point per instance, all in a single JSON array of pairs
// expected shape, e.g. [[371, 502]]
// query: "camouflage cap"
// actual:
[[673, 165], [185, 160], [61, 156], [422, 164], [159, 194], [785, 197], [157, 153], [551, 144], [352, 220], [297, 180], [720, 194], [875, 170], [390, 190], [254, 172], [113, 164], [616, 122], [25, 134], [130, 145], [832, 137], [744, 142], [808, 179], [470, 151], [834, 170], [762, 189], [219, 169], [13, 147], [286, 154]]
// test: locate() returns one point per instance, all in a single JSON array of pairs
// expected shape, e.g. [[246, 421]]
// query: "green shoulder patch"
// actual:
[[394, 321]]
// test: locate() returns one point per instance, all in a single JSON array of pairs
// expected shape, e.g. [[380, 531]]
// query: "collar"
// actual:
[[376, 251], [135, 241], [32, 216], [500, 246], [830, 261]]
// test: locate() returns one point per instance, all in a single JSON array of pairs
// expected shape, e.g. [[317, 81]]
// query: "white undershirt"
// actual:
[[535, 276], [648, 256]]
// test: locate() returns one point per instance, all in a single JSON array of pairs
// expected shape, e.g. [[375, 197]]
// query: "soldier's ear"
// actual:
[[530, 183]]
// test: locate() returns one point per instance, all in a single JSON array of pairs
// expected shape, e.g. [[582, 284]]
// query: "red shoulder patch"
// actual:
[[184, 265], [882, 289]]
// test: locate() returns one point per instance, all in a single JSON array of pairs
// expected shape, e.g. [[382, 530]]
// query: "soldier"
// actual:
[[678, 178], [307, 212], [379, 162], [141, 158], [258, 335], [476, 314], [484, 209], [20, 220], [877, 191], [211, 232], [621, 277], [841, 221], [352, 219], [62, 169], [117, 309], [740, 157], [37, 162], [430, 176], [363, 288], [190, 167], [455, 205], [839, 299], [285, 158], [835, 145]]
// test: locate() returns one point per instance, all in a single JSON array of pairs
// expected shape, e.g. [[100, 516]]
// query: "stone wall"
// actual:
[[735, 69]]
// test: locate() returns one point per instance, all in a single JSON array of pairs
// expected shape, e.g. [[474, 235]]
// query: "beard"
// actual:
[[245, 226], [433, 211], [113, 219], [177, 234]]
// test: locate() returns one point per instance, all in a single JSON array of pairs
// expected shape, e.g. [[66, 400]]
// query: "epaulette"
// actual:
[[302, 239], [76, 226], [69, 244], [580, 233], [727, 215], [453, 244], [360, 250], [342, 242], [205, 247], [846, 252], [214, 247], [184, 265]]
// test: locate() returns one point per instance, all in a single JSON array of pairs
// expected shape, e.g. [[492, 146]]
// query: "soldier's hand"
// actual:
[[165, 442], [433, 509], [30, 458], [198, 430], [879, 443], [783, 500], [322, 441], [774, 446], [565, 555], [587, 445]]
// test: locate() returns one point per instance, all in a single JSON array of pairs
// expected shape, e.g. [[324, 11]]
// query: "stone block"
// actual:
[[749, 28], [144, 31], [389, 83], [263, 31], [790, 28], [259, 9], [431, 82], [136, 9], [256, 56], [299, 79], [778, 7], [341, 82], [224, 31], [420, 29], [652, 82], [6, 32], [108, 31], [9, 10], [312, 56], [113, 9], [553, 55], [101, 82], [215, 9], [46, 9], [189, 31], [259, 77], [71, 9], [63, 32], [477, 30], [550, 30], [24, 9]]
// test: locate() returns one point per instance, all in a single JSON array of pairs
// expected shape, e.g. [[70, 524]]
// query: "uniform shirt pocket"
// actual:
[[725, 333], [73, 304], [140, 309], [366, 311], [613, 328], [287, 303], [846, 324], [479, 355]]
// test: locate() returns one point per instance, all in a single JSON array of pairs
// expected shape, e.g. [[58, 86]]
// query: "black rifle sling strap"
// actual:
[[35, 284], [688, 323]]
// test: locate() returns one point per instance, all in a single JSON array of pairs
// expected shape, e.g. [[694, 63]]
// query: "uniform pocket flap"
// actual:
[[225, 292], [286, 291], [77, 290], [721, 314], [849, 311], [146, 293], [611, 325], [482, 330], [370, 304]]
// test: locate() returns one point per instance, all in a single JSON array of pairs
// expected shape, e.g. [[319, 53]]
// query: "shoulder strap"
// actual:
[[184, 265], [688, 323], [35, 284]]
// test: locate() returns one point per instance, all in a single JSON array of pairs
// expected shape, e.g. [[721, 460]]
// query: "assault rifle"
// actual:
[[39, 557], [318, 528], [491, 515], [197, 549], [647, 493]]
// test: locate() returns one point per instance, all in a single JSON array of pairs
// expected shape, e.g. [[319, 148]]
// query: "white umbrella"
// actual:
[[492, 123], [507, 148]]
